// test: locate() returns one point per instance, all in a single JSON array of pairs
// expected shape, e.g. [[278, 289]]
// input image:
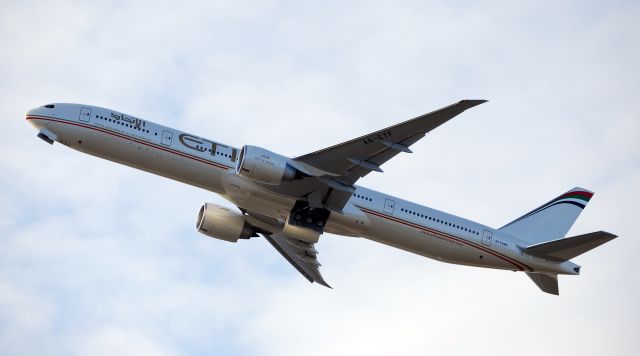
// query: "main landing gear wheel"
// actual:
[[303, 215]]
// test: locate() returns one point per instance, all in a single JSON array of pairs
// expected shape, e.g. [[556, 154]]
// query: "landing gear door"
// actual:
[[487, 236], [167, 136], [85, 114], [389, 205]]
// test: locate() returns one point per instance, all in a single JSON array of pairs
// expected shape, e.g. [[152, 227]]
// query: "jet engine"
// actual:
[[263, 166], [221, 223]]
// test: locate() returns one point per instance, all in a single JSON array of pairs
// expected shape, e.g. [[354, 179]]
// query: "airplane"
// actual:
[[291, 202]]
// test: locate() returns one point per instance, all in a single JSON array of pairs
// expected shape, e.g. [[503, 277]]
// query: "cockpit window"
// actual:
[[49, 106]]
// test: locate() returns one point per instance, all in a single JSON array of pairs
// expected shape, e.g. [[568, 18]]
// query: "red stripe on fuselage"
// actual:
[[520, 266], [218, 165]]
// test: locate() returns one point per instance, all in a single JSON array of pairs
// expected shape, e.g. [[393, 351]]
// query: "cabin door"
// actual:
[[487, 236], [85, 114], [167, 136], [388, 206]]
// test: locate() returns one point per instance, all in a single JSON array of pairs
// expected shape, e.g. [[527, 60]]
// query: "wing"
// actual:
[[329, 174], [302, 255], [353, 159]]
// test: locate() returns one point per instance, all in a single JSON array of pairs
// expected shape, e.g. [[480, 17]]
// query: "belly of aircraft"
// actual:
[[433, 244]]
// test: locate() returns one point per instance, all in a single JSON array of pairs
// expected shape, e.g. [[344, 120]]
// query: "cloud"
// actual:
[[100, 258]]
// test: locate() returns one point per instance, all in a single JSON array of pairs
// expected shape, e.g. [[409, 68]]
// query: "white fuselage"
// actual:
[[211, 165]]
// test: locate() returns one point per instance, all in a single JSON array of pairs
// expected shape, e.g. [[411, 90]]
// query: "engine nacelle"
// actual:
[[221, 223], [263, 166]]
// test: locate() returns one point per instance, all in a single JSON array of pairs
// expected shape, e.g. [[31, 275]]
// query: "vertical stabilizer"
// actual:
[[550, 221]]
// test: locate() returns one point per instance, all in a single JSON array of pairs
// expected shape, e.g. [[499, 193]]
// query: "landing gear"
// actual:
[[302, 215]]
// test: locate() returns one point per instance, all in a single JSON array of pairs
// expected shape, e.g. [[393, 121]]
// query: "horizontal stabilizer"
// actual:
[[565, 249], [548, 283]]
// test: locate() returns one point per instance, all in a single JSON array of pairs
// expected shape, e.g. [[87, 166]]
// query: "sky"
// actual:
[[101, 259]]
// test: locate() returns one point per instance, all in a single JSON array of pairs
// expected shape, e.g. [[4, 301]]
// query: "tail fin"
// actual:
[[550, 221]]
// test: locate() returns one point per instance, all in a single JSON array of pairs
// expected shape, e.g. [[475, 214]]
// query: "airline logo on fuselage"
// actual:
[[202, 145], [131, 120]]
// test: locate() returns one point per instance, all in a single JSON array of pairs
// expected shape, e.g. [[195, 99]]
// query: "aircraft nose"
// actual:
[[45, 110], [31, 112]]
